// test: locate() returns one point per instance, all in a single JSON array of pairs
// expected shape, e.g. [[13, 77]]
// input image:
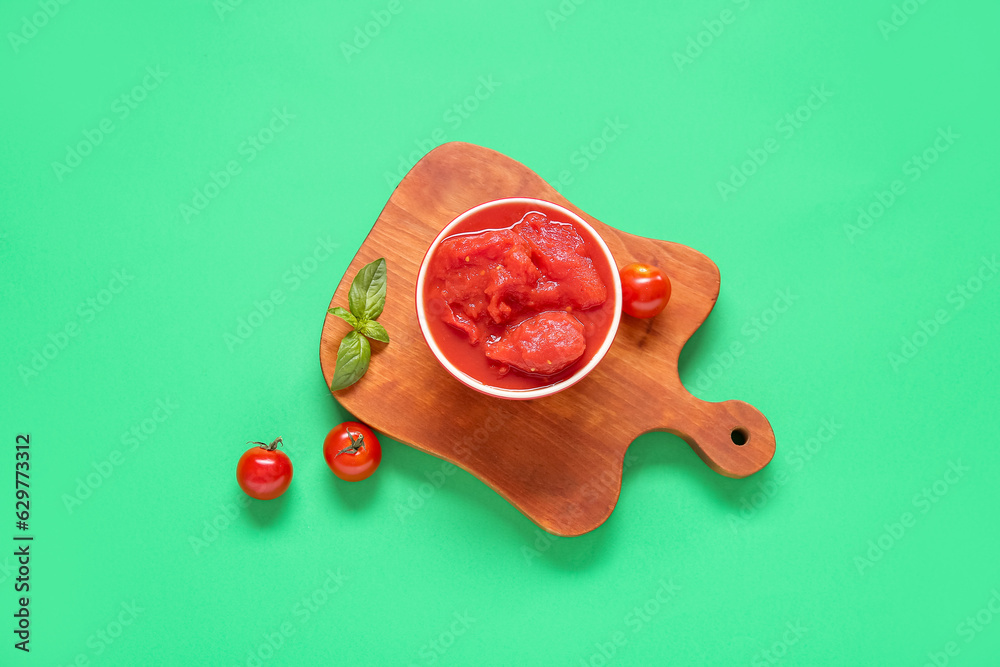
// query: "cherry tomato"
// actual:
[[264, 472], [645, 290], [352, 451]]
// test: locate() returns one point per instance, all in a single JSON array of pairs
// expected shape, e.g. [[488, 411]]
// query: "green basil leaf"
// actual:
[[367, 295], [374, 330], [345, 314], [352, 360]]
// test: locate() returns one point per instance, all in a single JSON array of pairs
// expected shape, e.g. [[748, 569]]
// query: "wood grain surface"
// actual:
[[557, 459]]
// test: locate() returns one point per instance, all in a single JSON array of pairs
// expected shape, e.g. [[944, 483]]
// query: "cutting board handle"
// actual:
[[732, 437]]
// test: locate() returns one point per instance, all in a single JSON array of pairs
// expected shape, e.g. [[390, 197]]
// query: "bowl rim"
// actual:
[[500, 392]]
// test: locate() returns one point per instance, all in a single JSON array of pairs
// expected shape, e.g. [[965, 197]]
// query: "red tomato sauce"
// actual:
[[519, 296]]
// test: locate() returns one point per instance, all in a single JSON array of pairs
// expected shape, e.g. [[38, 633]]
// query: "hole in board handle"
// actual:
[[739, 436]]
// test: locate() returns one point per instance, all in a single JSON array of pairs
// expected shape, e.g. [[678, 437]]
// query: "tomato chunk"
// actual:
[[543, 344], [569, 276]]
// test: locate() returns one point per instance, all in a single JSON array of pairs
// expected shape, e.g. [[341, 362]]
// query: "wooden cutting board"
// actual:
[[556, 459]]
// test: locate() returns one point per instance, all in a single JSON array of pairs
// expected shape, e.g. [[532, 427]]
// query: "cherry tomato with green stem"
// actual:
[[352, 451], [264, 472], [645, 290]]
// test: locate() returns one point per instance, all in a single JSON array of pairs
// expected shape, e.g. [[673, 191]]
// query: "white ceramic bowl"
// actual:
[[615, 293]]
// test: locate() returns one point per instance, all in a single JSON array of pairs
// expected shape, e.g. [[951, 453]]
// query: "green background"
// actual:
[[859, 543]]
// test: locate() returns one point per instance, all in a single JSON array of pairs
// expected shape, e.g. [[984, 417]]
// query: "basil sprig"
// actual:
[[366, 301]]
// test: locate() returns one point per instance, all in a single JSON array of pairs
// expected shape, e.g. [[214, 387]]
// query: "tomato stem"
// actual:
[[356, 445], [273, 446]]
